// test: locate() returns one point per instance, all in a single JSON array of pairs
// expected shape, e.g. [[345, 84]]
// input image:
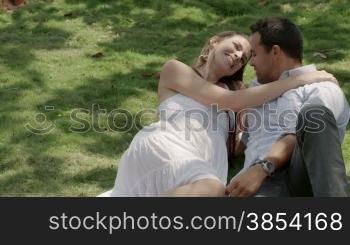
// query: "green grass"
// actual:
[[45, 60]]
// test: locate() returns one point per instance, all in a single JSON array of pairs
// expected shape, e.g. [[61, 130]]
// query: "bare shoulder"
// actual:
[[174, 64], [173, 75], [171, 72], [173, 67]]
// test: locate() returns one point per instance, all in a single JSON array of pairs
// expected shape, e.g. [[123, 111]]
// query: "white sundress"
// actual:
[[188, 143]]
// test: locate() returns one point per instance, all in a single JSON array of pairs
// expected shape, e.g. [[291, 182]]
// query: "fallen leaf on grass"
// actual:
[[97, 55], [190, 34], [151, 74], [68, 15]]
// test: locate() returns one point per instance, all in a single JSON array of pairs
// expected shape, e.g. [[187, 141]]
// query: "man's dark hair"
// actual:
[[282, 32]]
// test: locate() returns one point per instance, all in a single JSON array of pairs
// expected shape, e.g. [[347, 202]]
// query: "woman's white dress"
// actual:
[[188, 143]]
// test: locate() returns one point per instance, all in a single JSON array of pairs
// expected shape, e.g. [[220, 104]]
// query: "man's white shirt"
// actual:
[[271, 121]]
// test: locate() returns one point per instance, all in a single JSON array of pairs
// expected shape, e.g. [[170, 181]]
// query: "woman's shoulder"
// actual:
[[174, 63], [169, 74], [174, 66], [174, 74]]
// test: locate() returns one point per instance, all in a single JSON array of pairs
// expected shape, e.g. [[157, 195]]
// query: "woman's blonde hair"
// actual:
[[203, 56]]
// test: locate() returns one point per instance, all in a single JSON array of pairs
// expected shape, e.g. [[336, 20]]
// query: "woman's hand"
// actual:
[[314, 77]]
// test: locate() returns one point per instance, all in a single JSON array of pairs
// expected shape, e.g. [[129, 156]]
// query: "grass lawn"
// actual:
[[91, 57]]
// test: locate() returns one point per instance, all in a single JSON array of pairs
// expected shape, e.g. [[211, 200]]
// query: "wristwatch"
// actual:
[[268, 166]]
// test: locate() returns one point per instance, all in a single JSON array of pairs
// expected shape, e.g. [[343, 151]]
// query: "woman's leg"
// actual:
[[200, 188]]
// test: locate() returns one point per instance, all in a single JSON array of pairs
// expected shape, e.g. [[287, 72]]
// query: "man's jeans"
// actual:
[[317, 166]]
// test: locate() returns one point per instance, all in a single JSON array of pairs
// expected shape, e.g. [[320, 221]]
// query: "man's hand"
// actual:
[[247, 183]]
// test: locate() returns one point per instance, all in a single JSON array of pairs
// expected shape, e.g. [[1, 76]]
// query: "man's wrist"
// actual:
[[267, 166], [261, 171]]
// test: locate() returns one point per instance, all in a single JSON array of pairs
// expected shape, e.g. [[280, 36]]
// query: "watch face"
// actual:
[[269, 167]]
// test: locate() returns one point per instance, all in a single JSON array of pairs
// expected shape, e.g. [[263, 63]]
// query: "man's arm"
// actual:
[[240, 148], [249, 182], [282, 150]]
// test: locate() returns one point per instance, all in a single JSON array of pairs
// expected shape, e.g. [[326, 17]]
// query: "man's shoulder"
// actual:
[[323, 85], [324, 90]]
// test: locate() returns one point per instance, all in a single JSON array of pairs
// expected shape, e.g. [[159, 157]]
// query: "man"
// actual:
[[293, 143]]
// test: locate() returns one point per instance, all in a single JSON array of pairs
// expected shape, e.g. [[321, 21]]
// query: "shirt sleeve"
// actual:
[[331, 96], [288, 107]]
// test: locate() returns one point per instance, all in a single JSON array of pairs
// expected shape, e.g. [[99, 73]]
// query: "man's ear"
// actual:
[[276, 50]]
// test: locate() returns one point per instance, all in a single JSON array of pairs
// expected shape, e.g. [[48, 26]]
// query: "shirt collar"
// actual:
[[298, 71], [293, 72]]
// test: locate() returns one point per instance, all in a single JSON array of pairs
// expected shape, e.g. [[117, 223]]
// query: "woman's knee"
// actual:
[[199, 188], [210, 188]]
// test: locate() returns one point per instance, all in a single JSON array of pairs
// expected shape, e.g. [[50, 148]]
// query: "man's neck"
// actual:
[[288, 64]]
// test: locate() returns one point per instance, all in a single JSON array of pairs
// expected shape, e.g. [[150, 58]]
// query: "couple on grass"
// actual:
[[292, 121]]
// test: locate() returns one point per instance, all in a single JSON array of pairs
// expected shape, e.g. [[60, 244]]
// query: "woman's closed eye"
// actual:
[[237, 46]]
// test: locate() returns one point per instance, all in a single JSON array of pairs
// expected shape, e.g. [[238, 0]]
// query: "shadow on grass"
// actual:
[[101, 177], [27, 32], [109, 95], [38, 170], [22, 34]]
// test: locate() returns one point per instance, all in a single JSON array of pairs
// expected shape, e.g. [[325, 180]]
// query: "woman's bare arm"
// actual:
[[179, 77]]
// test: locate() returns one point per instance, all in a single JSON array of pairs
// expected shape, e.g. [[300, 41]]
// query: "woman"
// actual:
[[184, 154]]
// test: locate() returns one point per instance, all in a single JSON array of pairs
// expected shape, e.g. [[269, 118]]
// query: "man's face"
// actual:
[[264, 62]]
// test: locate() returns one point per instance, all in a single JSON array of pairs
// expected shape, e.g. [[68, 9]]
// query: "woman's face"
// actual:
[[229, 55]]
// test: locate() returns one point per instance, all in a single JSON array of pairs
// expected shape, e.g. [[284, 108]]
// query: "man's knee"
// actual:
[[314, 118]]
